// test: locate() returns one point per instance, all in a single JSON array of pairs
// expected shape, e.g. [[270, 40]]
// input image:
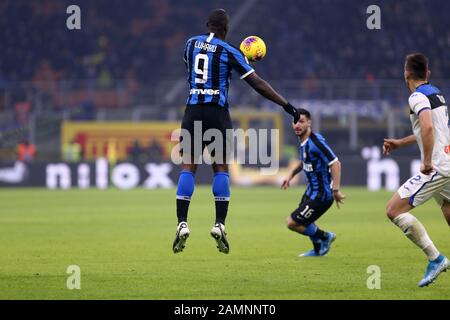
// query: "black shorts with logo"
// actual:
[[310, 210], [196, 121]]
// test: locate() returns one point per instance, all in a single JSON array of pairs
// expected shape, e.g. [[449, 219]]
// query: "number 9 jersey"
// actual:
[[209, 61]]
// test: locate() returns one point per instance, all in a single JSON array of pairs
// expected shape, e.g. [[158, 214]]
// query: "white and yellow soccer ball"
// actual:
[[253, 48]]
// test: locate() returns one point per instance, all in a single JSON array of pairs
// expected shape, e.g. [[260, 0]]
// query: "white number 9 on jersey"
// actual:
[[203, 73]]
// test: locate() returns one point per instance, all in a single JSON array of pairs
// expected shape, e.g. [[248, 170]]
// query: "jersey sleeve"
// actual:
[[418, 102], [185, 57], [324, 151], [238, 62]]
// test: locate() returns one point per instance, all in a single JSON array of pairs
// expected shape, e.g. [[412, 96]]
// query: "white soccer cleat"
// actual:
[[181, 237], [219, 234]]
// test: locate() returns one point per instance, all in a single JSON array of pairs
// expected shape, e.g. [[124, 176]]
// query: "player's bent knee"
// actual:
[[390, 211], [220, 167], [394, 209], [192, 167], [291, 224]]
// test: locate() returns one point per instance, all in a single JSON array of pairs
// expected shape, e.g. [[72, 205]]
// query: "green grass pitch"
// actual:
[[122, 241]]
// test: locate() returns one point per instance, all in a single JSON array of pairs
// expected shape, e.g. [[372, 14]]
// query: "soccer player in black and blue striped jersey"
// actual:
[[209, 61], [323, 173]]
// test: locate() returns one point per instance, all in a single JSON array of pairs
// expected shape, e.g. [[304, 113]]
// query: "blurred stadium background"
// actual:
[[95, 108], [116, 88]]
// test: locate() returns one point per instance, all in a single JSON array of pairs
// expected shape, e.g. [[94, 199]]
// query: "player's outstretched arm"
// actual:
[[287, 181], [265, 89], [391, 144], [336, 174]]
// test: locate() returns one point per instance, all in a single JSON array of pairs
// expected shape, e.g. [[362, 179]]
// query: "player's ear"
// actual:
[[406, 74], [428, 74]]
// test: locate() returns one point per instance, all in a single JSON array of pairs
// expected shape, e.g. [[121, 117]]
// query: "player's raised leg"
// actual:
[[221, 191], [185, 190], [398, 211]]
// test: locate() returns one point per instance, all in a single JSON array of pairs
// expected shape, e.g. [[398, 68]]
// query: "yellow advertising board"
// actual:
[[114, 139]]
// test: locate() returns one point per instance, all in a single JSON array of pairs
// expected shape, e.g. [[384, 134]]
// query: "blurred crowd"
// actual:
[[329, 39], [143, 40], [129, 54], [118, 39]]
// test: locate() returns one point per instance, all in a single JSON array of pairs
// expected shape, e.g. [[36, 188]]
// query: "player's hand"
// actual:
[[286, 183], [289, 108], [390, 145], [338, 197], [296, 116], [426, 168]]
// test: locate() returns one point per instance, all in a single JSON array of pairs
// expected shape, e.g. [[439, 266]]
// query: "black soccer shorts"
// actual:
[[309, 210], [209, 116]]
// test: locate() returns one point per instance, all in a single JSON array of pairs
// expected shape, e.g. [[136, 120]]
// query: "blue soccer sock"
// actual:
[[221, 191], [310, 230], [314, 233], [184, 193]]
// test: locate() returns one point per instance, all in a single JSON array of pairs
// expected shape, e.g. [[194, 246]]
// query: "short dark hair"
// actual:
[[417, 64], [218, 20], [304, 112]]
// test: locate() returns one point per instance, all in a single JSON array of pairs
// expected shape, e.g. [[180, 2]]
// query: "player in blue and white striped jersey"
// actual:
[[323, 173], [209, 62]]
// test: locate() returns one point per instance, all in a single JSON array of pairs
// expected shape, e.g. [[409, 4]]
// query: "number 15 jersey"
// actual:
[[209, 61]]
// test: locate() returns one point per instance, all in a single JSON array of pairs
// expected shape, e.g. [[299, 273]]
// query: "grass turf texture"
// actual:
[[122, 241]]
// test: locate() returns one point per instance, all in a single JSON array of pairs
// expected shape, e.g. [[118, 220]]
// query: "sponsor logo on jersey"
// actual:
[[308, 167], [210, 92]]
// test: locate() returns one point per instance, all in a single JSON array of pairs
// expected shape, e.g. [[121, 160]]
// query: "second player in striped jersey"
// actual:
[[323, 173]]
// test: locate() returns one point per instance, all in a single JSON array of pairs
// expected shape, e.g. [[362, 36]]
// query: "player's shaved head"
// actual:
[[218, 22], [417, 65]]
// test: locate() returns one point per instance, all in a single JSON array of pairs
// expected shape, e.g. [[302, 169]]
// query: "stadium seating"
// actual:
[[144, 39]]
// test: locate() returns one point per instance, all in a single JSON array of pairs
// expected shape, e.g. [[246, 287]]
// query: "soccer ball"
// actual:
[[253, 48]]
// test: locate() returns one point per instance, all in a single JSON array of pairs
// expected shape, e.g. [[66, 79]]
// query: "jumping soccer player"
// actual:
[[323, 172], [429, 118], [209, 61]]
